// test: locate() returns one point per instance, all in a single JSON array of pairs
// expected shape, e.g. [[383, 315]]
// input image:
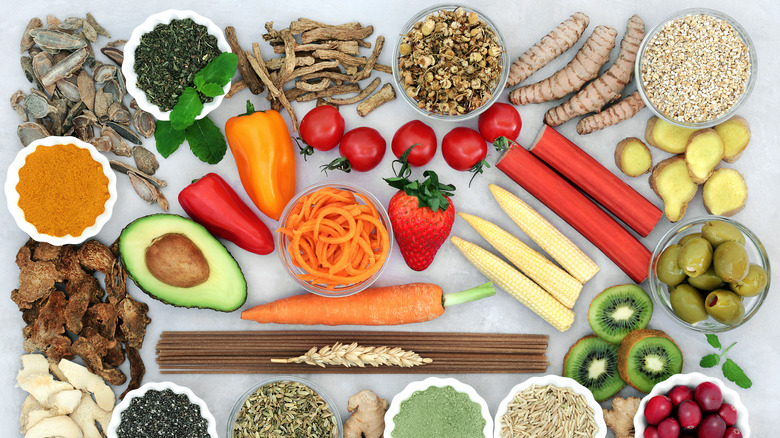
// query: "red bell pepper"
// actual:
[[211, 202]]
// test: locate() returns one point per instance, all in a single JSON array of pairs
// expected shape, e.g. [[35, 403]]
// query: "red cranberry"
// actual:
[[658, 408], [669, 428], [680, 393], [728, 413], [732, 432], [708, 396], [712, 426], [689, 414], [651, 432]]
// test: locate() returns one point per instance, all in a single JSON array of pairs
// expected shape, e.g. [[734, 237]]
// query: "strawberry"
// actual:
[[421, 214]]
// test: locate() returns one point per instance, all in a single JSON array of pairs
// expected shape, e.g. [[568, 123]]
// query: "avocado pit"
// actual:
[[176, 261]]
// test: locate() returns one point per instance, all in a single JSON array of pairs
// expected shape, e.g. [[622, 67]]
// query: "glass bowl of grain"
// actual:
[[180, 39], [424, 68], [286, 404], [547, 393], [696, 68]]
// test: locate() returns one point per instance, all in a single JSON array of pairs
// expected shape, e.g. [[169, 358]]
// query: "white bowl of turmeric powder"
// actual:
[[60, 190]]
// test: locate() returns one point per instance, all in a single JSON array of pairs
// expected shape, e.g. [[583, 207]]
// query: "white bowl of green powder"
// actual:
[[436, 408]]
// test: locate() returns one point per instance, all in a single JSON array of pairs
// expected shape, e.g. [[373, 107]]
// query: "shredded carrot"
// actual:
[[335, 239]]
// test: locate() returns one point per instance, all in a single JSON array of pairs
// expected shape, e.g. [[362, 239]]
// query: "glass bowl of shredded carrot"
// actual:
[[334, 239]]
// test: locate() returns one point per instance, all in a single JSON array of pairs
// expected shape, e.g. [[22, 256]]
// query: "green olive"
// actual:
[[725, 306], [717, 232], [753, 284], [687, 237], [688, 303], [695, 256], [667, 268], [731, 262], [707, 281]]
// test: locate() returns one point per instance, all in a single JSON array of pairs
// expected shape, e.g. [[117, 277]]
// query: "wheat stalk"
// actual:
[[358, 355]]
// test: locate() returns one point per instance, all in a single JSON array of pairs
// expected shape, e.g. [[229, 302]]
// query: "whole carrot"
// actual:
[[389, 305]]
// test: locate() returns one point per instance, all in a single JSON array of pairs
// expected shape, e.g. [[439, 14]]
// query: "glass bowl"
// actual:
[[660, 294], [422, 385], [240, 402], [497, 90], [561, 382], [692, 380], [294, 271], [128, 70], [12, 196], [748, 86]]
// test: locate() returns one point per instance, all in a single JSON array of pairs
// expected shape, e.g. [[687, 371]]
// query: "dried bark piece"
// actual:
[[47, 332], [355, 99], [250, 78], [89, 348], [27, 39], [64, 68], [114, 54], [381, 97], [94, 256], [133, 321], [98, 28], [126, 168], [145, 161], [137, 371], [81, 292], [103, 318]]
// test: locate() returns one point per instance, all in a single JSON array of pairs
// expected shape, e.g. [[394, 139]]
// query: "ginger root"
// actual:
[[725, 192], [368, 415], [665, 136], [621, 417], [633, 157], [703, 152], [735, 133], [671, 181], [619, 112]]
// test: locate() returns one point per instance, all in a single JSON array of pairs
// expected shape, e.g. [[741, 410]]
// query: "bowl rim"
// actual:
[[657, 291], [281, 378], [440, 382], [505, 62], [12, 196], [751, 82], [131, 78], [561, 382], [116, 415], [730, 396], [281, 242]]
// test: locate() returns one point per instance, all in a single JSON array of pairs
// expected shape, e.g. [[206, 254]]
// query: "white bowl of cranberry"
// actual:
[[691, 405]]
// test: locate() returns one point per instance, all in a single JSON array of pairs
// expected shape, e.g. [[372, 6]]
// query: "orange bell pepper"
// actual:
[[265, 157]]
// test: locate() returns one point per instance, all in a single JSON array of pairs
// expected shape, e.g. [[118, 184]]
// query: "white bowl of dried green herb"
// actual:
[[166, 37]]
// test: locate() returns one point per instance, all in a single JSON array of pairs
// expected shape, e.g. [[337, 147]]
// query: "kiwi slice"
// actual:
[[647, 357], [593, 363], [619, 310]]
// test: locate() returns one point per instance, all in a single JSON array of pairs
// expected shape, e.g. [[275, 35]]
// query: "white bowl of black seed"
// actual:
[[161, 409], [161, 58]]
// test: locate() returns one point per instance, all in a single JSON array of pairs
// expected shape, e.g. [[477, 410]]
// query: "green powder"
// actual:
[[439, 412]]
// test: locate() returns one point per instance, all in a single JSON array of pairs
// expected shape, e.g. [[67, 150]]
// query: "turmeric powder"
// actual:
[[62, 190]]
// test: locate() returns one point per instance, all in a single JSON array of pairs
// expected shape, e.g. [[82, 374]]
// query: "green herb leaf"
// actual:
[[218, 72], [168, 139], [714, 341], [709, 360], [733, 372], [211, 90], [206, 141], [187, 108]]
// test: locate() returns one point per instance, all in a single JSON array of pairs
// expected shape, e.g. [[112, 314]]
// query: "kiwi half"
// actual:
[[647, 357], [593, 363], [619, 310]]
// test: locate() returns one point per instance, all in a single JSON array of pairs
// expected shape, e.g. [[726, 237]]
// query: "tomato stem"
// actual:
[[478, 168], [340, 163]]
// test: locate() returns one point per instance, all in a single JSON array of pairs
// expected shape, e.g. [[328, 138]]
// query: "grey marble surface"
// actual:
[[523, 23]]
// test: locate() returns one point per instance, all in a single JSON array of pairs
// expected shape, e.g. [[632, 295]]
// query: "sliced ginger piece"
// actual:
[[667, 137], [703, 152], [735, 133], [58, 426], [725, 192], [86, 414], [81, 378], [671, 181], [633, 157], [32, 412]]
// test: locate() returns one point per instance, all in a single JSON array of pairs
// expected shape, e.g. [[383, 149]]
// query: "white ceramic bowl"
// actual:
[[692, 379], [421, 385], [561, 382], [131, 78], [116, 416], [12, 196]]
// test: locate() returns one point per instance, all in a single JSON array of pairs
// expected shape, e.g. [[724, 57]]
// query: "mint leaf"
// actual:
[[714, 341], [168, 139], [206, 141], [733, 372], [219, 71], [186, 109], [709, 360], [211, 90]]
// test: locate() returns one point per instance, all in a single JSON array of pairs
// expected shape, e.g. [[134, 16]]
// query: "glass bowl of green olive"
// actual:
[[710, 274]]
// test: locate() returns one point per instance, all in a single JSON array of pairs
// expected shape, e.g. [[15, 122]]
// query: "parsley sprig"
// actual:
[[731, 370]]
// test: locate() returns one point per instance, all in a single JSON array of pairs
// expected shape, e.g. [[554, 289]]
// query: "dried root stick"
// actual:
[[250, 78], [259, 66], [381, 97], [606, 87], [623, 110], [559, 40], [355, 99], [366, 71], [584, 67]]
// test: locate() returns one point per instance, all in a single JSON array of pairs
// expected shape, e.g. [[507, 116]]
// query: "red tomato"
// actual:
[[500, 120], [322, 128], [463, 148], [418, 134], [363, 147]]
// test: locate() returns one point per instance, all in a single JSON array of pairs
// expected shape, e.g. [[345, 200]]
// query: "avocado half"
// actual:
[[219, 283]]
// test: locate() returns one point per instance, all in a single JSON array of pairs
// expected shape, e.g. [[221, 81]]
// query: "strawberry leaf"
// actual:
[[429, 193]]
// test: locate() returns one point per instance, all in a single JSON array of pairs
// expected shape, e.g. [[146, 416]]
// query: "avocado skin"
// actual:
[[141, 277]]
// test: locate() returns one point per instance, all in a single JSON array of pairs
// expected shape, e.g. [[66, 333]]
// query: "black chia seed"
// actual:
[[161, 414]]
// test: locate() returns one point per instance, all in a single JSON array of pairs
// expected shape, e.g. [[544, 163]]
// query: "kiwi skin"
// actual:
[[597, 394], [628, 344]]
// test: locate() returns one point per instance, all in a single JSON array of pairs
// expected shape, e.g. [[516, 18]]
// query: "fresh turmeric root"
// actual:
[[584, 67], [559, 40], [606, 87], [621, 111]]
